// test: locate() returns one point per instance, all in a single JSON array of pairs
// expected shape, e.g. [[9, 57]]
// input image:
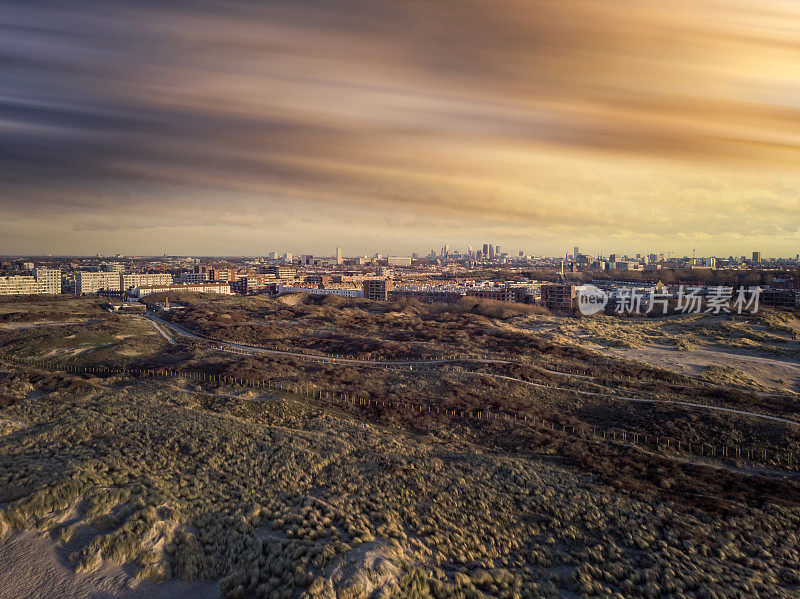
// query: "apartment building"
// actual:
[[208, 287], [377, 289], [253, 284], [148, 279], [18, 285], [559, 297], [314, 290], [399, 260], [93, 281], [48, 280], [426, 294], [279, 271], [223, 274], [503, 293], [192, 277], [780, 298]]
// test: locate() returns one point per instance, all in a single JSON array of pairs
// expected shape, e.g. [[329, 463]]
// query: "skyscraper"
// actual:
[[338, 255], [491, 251], [485, 250], [756, 256], [575, 253]]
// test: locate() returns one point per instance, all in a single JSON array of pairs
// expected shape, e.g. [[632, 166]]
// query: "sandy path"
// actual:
[[33, 567], [769, 371], [161, 330]]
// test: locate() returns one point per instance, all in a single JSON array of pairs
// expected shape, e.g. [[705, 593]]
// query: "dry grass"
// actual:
[[276, 498], [284, 497]]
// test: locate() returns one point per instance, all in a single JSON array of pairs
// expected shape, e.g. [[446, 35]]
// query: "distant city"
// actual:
[[439, 276]]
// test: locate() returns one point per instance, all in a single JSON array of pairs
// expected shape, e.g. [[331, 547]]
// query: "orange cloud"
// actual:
[[632, 123]]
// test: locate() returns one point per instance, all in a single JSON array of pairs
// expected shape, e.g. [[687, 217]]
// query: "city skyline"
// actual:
[[340, 252], [140, 127]]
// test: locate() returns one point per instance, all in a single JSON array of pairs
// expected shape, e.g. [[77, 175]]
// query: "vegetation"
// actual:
[[280, 495], [278, 498], [356, 327], [49, 308]]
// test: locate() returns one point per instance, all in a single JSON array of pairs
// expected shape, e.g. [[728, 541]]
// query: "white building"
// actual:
[[340, 291], [338, 255], [207, 287], [93, 281], [18, 285], [48, 280], [399, 261], [149, 279]]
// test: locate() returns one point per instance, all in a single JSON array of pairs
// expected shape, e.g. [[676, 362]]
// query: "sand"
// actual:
[[33, 566], [764, 368]]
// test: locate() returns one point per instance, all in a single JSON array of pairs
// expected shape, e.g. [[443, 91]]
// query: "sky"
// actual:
[[240, 128]]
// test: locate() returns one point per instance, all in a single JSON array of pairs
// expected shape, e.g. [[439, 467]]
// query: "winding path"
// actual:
[[339, 360], [158, 324], [686, 404]]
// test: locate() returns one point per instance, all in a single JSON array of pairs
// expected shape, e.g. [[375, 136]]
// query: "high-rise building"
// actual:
[[491, 252], [94, 281], [756, 256], [575, 253], [339, 255], [18, 285], [485, 250], [497, 251], [48, 280]]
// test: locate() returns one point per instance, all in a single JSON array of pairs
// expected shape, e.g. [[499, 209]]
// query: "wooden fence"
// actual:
[[768, 457]]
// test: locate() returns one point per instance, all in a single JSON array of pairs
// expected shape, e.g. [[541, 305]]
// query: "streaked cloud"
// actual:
[[311, 124]]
